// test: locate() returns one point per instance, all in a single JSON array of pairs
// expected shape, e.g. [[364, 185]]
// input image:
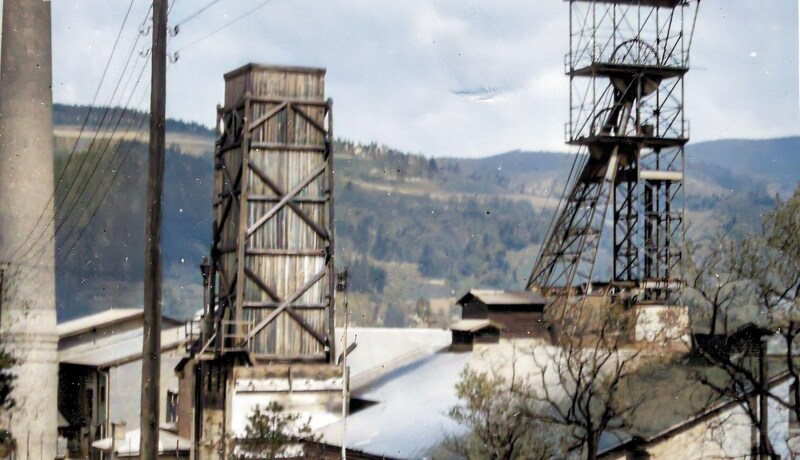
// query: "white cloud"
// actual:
[[394, 67]]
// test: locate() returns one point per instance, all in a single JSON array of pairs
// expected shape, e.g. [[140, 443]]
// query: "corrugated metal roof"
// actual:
[[496, 297], [118, 348], [382, 350], [104, 318], [411, 420]]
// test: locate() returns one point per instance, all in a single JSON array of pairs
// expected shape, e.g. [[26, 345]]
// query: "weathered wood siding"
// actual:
[[516, 320], [276, 260]]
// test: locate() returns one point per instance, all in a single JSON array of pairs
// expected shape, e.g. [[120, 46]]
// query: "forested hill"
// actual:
[[415, 230]]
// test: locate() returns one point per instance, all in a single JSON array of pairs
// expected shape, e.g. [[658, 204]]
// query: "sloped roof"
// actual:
[[116, 349], [411, 418], [382, 350], [496, 297], [472, 325], [104, 318]]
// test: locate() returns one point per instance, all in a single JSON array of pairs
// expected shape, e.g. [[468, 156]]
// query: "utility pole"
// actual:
[[341, 286], [763, 406], [151, 345]]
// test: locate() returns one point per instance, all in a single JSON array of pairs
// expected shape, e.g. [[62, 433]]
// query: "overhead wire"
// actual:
[[195, 14], [226, 25], [76, 181], [113, 155], [76, 222], [79, 181], [130, 145], [80, 133]]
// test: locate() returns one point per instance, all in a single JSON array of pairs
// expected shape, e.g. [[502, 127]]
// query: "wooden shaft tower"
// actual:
[[273, 232], [267, 329]]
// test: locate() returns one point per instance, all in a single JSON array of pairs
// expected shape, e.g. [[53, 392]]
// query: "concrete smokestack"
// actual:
[[28, 318]]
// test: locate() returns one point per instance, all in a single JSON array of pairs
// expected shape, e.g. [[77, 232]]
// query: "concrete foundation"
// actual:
[[28, 318], [662, 323]]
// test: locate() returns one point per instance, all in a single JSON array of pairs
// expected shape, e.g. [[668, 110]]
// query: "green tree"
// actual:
[[273, 433], [499, 415]]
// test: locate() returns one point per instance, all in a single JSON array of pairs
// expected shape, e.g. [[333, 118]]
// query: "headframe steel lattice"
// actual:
[[626, 65]]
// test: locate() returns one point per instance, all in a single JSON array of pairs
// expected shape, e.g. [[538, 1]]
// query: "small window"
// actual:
[[172, 407]]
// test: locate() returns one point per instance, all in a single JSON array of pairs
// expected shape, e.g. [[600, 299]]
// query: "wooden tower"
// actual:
[[267, 330]]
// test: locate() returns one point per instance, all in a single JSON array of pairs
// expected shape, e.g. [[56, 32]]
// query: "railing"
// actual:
[[580, 128], [234, 335], [643, 54]]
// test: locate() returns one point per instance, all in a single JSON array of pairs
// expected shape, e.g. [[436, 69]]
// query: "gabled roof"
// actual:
[[104, 318], [498, 297]]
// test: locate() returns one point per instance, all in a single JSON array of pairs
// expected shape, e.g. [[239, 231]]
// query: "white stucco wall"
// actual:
[[726, 435], [661, 322], [729, 434], [320, 408], [778, 419], [126, 391]]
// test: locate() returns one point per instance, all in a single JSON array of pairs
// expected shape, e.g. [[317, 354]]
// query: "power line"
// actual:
[[225, 26], [195, 14], [102, 199], [80, 133], [110, 162], [82, 183], [89, 203], [76, 180], [73, 180]]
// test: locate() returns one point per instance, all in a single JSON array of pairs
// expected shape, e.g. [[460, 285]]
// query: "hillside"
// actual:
[[415, 230]]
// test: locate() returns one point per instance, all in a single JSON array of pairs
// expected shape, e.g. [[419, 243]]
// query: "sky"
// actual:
[[398, 71]]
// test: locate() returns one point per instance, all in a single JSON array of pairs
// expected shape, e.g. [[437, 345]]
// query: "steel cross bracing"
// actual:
[[626, 65], [239, 232]]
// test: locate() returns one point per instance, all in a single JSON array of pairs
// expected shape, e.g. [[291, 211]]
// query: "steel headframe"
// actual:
[[626, 65]]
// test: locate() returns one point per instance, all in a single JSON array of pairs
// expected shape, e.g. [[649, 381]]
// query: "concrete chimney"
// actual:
[[28, 319]]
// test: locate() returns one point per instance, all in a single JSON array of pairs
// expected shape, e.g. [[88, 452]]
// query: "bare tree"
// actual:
[[499, 414], [582, 380], [760, 271]]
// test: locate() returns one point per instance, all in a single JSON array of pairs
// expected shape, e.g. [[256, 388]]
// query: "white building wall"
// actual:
[[125, 389], [778, 420], [728, 434], [320, 408]]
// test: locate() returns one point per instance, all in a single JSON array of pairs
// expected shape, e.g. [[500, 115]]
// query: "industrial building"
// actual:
[[99, 375]]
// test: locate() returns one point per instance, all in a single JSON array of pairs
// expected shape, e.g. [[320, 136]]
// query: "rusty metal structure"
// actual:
[[626, 64], [266, 333]]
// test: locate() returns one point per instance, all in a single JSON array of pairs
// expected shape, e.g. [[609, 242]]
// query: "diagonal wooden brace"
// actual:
[[272, 185], [286, 306], [261, 284], [286, 199], [264, 118], [310, 120]]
